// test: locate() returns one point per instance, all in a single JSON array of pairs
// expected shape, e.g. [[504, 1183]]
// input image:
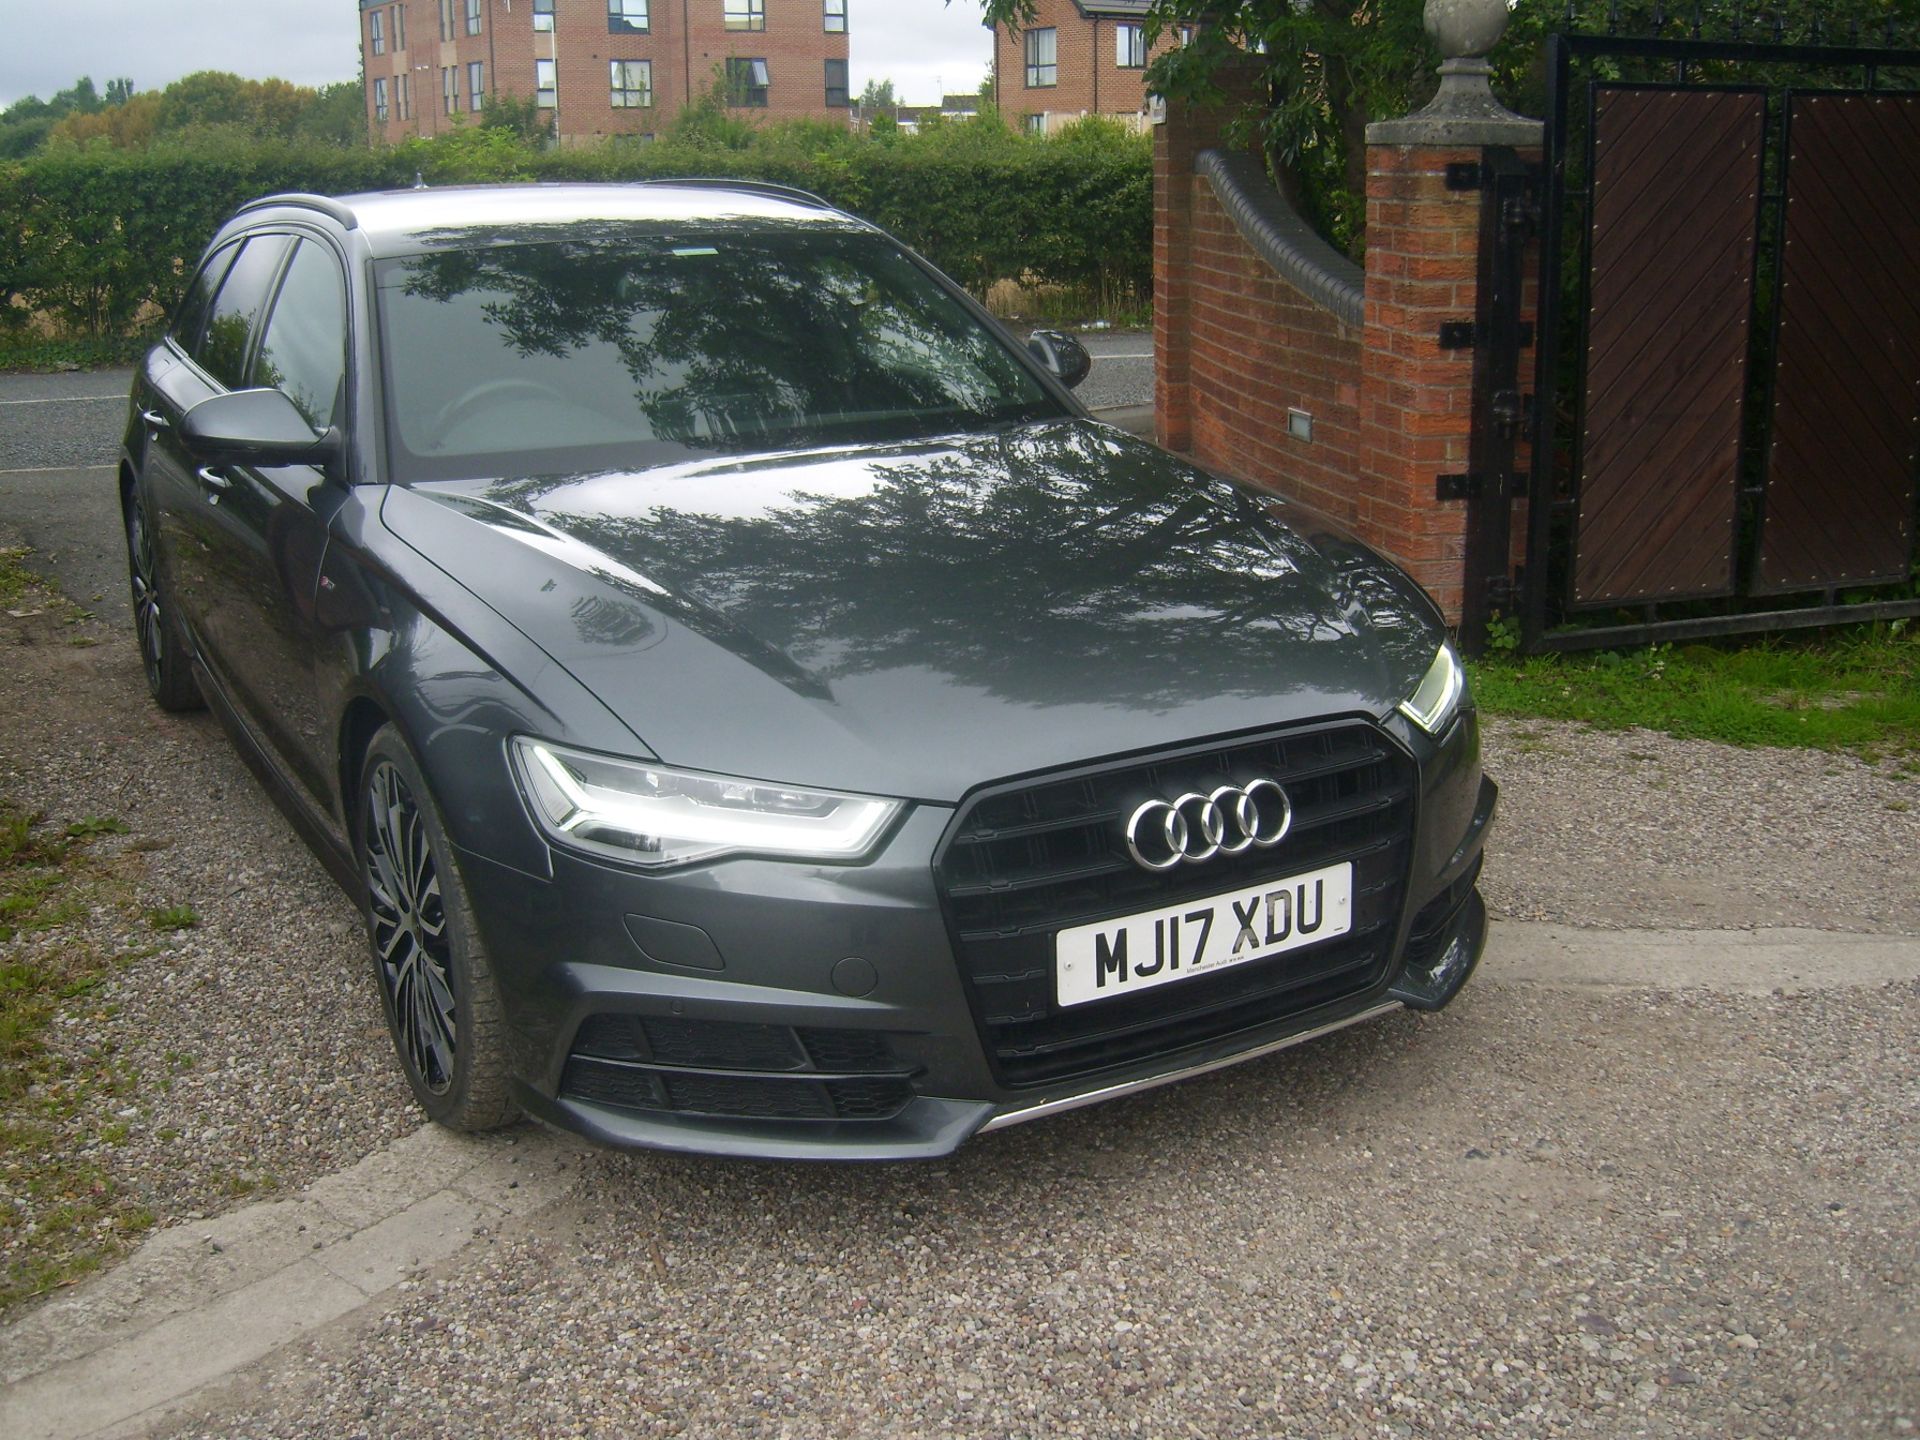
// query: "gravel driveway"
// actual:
[[1544, 1211]]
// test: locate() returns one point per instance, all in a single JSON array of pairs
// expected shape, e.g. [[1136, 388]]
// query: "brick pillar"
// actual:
[[1416, 400], [1423, 266], [1182, 133]]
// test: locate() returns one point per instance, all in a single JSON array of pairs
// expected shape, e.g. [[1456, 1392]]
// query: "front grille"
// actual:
[[652, 1063], [1024, 860]]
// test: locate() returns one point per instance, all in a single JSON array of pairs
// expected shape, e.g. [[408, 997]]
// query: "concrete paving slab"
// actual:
[[177, 1270], [108, 1387], [199, 1301], [406, 1172], [423, 1234], [1734, 962]]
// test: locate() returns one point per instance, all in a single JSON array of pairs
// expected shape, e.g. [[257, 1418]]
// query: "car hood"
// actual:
[[916, 619]]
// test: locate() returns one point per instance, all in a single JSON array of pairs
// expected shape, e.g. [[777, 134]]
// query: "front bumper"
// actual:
[[785, 1011]]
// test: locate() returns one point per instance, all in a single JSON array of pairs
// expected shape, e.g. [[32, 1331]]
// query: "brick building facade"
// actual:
[[598, 67], [1076, 58]]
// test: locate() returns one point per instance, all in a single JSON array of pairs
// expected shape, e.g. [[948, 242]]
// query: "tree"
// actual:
[[335, 115], [878, 96], [120, 91], [1330, 66]]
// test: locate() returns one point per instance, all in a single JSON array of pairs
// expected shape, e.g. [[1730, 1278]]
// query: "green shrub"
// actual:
[[97, 240]]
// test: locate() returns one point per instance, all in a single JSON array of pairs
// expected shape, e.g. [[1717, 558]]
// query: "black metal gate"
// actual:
[[1725, 429]]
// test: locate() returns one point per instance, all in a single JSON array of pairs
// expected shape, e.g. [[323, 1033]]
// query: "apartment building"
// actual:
[[598, 68], [1075, 58]]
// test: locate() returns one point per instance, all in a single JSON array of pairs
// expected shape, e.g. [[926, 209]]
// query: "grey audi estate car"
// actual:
[[754, 706]]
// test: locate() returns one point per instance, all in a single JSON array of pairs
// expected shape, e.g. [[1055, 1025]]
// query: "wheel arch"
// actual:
[[359, 723]]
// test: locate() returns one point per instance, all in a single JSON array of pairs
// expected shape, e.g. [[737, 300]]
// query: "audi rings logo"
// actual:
[[1195, 828]]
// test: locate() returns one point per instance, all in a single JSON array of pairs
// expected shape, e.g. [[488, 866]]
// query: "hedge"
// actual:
[[95, 240]]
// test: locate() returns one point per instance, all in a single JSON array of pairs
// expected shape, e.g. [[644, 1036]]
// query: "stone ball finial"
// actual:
[[1466, 28]]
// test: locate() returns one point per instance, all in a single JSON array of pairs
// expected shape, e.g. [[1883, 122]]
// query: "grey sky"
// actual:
[[923, 46]]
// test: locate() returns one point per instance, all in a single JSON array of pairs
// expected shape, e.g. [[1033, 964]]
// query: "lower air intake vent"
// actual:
[[726, 1069]]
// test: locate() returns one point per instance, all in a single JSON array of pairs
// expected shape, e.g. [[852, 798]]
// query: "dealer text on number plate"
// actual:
[[1138, 952]]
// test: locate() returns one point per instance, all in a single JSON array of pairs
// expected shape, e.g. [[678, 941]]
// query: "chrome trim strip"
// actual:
[[1153, 1082]]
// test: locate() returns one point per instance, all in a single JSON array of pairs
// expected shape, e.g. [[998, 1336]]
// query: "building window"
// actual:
[[1129, 46], [446, 19], [746, 15], [473, 17], [543, 17], [545, 88], [399, 27], [449, 89], [836, 20], [746, 82], [632, 84], [1043, 66], [837, 83], [477, 84], [377, 32], [406, 97], [380, 99], [626, 17], [1036, 124]]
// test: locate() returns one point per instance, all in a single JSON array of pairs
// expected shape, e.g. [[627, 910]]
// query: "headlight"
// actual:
[[1437, 697], [651, 816]]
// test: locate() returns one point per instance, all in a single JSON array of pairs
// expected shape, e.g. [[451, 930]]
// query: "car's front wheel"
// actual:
[[163, 652], [435, 978]]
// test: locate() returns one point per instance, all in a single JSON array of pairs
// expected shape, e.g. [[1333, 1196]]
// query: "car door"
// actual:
[[210, 350], [268, 531]]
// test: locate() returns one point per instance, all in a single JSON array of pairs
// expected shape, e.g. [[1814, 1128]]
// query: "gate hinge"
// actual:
[[1505, 407], [1521, 213], [1465, 334], [1510, 485]]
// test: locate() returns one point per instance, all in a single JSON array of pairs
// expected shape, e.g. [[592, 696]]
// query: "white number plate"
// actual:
[[1138, 952]]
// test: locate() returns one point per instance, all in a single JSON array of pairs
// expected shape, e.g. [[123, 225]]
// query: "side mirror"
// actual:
[[1065, 357], [255, 427]]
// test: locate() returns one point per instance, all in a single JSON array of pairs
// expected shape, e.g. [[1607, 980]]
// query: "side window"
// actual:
[[236, 309], [304, 350], [191, 318]]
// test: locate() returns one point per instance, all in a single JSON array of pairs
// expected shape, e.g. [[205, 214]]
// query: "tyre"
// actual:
[[436, 982], [163, 650]]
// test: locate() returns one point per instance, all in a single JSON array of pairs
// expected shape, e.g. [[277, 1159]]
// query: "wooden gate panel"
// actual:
[[1846, 422], [1676, 187]]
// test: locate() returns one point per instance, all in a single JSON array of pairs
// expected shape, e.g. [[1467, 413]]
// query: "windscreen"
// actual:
[[623, 350]]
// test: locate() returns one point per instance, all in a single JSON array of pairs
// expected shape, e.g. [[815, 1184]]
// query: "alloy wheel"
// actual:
[[409, 926], [147, 617]]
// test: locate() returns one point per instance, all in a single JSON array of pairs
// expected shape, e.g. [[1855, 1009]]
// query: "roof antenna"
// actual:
[[419, 181]]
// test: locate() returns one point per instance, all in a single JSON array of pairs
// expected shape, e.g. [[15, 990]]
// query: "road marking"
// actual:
[[1147, 355], [52, 469], [63, 399]]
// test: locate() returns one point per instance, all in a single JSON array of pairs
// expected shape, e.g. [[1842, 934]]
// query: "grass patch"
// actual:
[[1856, 691], [61, 1216], [26, 355], [173, 917], [16, 581]]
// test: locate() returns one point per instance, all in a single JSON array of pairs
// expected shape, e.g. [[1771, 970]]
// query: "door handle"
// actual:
[[155, 419], [214, 480]]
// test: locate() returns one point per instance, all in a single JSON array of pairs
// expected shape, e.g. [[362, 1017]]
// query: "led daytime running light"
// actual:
[[1433, 703], [655, 817]]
